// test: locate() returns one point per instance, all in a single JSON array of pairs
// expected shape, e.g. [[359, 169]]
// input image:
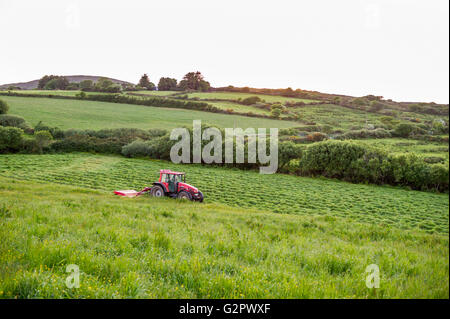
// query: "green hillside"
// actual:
[[99, 115], [163, 248]]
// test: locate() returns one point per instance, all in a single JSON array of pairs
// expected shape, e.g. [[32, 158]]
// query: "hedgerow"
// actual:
[[363, 164]]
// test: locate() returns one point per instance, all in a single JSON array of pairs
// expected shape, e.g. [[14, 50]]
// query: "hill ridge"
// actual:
[[30, 85]]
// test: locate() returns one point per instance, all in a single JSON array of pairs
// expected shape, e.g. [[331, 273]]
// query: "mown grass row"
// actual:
[[382, 206], [162, 248]]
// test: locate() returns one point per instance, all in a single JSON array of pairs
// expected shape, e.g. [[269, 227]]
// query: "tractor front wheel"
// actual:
[[157, 191], [184, 195]]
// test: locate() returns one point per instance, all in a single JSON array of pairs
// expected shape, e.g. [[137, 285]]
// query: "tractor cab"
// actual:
[[171, 179], [174, 184]]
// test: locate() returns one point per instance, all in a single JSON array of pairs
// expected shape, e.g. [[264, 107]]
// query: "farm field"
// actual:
[[385, 207], [239, 108], [237, 95], [94, 115], [157, 93], [163, 248]]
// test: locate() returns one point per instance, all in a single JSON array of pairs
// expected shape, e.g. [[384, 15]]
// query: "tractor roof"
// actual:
[[168, 171]]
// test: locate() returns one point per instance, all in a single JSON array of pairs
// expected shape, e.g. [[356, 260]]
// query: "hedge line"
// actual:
[[363, 164]]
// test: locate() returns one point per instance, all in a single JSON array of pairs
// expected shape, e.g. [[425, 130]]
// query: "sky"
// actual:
[[398, 49]]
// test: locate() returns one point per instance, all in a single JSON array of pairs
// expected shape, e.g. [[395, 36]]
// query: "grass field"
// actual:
[[382, 206], [157, 93], [338, 116], [239, 108], [163, 248], [235, 96], [78, 114]]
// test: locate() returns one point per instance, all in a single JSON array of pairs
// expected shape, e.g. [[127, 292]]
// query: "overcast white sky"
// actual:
[[398, 49]]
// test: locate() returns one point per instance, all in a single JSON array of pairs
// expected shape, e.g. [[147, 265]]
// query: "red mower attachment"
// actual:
[[170, 183], [132, 192]]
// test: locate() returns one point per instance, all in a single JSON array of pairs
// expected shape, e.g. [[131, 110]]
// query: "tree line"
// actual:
[[192, 81]]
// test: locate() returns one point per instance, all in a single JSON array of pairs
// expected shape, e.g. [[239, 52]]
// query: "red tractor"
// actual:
[[171, 184]]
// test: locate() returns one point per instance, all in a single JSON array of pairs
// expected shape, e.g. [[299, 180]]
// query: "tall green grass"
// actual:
[[163, 248]]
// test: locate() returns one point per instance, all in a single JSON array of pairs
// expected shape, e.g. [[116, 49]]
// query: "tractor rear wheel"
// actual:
[[184, 195], [157, 191]]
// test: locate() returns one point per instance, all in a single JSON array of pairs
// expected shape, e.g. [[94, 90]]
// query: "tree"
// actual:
[[194, 81], [3, 107], [167, 84], [45, 79], [106, 85], [57, 83], [86, 85], [43, 139], [204, 86], [145, 82]]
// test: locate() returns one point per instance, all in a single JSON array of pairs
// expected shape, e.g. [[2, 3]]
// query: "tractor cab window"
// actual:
[[164, 178], [178, 178]]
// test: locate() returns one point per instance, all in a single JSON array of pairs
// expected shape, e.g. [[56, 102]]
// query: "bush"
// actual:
[[251, 100], [136, 148], [4, 108], [433, 159], [14, 121], [10, 139], [360, 134], [316, 137], [54, 131], [288, 151], [43, 139], [404, 129]]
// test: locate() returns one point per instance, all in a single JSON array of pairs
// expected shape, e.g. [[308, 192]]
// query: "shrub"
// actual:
[[136, 148], [288, 151], [4, 108], [54, 131], [359, 101], [433, 159], [276, 112], [360, 134], [251, 100], [404, 129], [81, 95], [316, 137], [10, 139], [13, 120], [43, 139]]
